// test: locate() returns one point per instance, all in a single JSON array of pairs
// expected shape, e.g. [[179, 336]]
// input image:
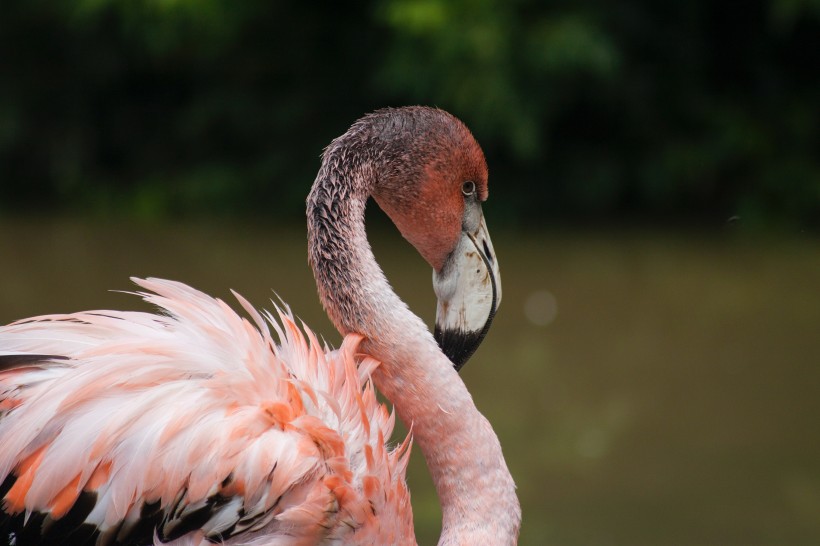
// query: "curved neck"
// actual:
[[476, 491]]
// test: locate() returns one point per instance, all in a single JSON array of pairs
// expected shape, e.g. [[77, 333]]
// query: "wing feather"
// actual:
[[191, 423]]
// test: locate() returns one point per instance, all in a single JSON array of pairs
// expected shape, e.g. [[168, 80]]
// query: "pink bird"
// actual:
[[196, 426]]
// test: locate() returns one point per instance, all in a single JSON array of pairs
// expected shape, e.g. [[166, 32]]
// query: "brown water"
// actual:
[[647, 390]]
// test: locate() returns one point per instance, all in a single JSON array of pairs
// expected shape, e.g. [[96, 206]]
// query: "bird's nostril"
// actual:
[[487, 252]]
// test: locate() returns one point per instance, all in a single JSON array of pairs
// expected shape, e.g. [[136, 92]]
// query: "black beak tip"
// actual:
[[458, 345]]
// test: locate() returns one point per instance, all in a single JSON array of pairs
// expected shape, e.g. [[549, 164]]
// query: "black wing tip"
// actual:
[[10, 362], [40, 528]]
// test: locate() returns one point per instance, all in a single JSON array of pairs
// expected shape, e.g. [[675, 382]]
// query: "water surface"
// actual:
[[646, 389]]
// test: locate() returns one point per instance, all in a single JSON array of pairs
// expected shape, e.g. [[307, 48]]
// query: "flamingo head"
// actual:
[[432, 185]]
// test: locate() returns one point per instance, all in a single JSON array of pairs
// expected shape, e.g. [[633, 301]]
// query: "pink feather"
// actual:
[[182, 402]]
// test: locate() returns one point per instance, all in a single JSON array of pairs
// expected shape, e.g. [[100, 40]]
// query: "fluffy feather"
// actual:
[[195, 426]]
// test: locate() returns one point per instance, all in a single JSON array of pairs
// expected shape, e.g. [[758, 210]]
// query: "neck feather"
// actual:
[[476, 491]]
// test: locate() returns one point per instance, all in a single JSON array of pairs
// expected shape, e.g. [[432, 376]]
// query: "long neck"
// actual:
[[477, 493]]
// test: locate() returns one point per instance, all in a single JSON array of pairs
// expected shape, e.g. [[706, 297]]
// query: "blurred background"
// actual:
[[654, 371]]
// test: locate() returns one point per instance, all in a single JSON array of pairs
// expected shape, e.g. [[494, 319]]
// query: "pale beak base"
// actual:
[[468, 288]]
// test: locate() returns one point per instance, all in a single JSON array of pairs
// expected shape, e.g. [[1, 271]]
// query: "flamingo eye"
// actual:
[[468, 188]]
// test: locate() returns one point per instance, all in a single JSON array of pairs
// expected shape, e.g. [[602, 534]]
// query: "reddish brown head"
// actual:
[[427, 172], [432, 180], [431, 163]]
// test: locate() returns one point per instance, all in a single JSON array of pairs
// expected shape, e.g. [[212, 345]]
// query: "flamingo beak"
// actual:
[[468, 288]]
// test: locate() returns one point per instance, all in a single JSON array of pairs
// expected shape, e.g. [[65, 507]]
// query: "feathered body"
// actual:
[[194, 426], [114, 423]]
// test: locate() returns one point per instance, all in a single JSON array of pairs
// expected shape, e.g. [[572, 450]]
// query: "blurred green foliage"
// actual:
[[588, 110]]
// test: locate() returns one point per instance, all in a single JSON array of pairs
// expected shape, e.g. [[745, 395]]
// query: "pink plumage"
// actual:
[[197, 409], [196, 426]]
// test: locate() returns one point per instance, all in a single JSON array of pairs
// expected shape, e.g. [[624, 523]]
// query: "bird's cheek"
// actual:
[[433, 231]]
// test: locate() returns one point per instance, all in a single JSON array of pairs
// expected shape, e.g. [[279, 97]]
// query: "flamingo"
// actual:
[[195, 426]]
